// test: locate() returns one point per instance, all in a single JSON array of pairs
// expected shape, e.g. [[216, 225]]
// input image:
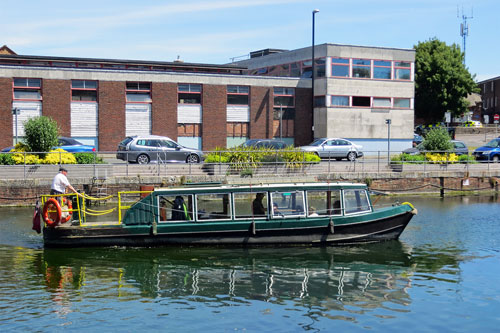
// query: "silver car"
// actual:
[[153, 148], [334, 148]]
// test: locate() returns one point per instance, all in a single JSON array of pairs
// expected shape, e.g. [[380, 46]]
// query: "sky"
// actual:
[[214, 32]]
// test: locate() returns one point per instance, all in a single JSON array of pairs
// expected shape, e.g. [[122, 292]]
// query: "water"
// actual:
[[442, 275]]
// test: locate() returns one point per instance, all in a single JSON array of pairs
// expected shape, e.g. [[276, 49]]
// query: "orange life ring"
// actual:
[[70, 212], [51, 218]]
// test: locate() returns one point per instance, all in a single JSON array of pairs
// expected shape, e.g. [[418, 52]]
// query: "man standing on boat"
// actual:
[[60, 183], [257, 206]]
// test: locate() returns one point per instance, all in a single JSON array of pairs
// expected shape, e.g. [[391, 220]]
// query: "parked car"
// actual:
[[68, 144], [472, 123], [459, 148], [265, 143], [144, 149], [74, 146], [417, 139], [489, 152], [334, 148]]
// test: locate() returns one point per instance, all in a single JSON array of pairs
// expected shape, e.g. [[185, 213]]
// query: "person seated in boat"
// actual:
[[312, 211], [258, 208], [179, 209], [276, 211]]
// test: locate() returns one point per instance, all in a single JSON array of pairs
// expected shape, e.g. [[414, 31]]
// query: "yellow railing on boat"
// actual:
[[82, 210]]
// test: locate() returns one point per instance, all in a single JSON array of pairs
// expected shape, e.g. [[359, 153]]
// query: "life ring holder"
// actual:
[[45, 212], [69, 211]]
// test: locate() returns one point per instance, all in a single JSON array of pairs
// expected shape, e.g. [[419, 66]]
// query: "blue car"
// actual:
[[489, 152], [74, 146]]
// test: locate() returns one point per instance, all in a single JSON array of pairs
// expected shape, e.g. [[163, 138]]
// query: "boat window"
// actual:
[[250, 205], [287, 204], [213, 206], [356, 201], [175, 208], [324, 203]]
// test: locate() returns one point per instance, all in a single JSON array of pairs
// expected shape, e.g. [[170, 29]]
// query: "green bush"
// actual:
[[41, 134], [251, 157], [437, 139], [88, 158], [466, 159], [6, 159]]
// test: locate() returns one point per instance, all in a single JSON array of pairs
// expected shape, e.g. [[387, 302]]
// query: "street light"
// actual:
[[388, 122], [15, 112], [312, 76]]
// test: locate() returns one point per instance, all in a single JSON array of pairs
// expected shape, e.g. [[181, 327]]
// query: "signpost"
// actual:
[[496, 118]]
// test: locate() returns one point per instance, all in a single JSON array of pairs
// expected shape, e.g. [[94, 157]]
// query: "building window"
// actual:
[[320, 67], [27, 89], [284, 100], [361, 101], [319, 101], [340, 67], [382, 69], [361, 68], [402, 103], [340, 101], [83, 91], [295, 69], [238, 95], [402, 70], [189, 93], [306, 69], [138, 92], [381, 102]]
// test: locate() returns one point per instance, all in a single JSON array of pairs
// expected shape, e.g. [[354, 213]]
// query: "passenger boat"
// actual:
[[235, 215]]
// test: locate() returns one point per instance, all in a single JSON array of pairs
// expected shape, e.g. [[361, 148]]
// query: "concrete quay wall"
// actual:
[[27, 191]]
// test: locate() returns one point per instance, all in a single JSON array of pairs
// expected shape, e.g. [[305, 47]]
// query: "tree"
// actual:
[[41, 134], [442, 82]]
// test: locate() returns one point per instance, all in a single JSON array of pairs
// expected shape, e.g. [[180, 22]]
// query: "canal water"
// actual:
[[442, 275]]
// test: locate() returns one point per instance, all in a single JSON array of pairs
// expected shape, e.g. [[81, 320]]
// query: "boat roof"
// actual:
[[209, 187]]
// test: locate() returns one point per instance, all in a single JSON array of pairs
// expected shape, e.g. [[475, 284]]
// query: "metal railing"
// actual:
[[273, 166]]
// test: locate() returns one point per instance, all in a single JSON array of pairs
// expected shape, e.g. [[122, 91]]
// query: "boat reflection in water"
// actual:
[[346, 278]]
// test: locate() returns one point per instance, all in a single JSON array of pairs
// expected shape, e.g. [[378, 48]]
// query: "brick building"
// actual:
[[490, 91], [100, 101]]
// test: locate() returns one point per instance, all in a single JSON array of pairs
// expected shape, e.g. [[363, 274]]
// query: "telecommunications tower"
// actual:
[[464, 28]]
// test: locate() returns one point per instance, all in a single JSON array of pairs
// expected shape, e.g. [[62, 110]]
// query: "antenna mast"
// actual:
[[464, 28]]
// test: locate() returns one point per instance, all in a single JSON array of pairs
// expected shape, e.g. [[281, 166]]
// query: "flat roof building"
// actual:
[[356, 89], [100, 101]]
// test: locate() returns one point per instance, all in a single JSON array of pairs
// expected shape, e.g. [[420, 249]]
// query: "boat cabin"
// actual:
[[257, 202]]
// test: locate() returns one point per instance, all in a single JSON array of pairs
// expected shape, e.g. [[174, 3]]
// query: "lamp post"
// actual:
[[15, 112], [388, 122], [313, 70], [281, 121]]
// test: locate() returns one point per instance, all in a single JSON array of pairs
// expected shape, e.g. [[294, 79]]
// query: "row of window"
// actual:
[[107, 65], [140, 92], [490, 102], [261, 205], [362, 101], [342, 67]]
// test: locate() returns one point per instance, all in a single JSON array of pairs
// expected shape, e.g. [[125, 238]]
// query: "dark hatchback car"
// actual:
[[489, 152], [153, 148], [265, 143], [459, 148]]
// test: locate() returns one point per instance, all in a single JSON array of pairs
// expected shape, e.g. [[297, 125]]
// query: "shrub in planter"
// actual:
[[88, 158]]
